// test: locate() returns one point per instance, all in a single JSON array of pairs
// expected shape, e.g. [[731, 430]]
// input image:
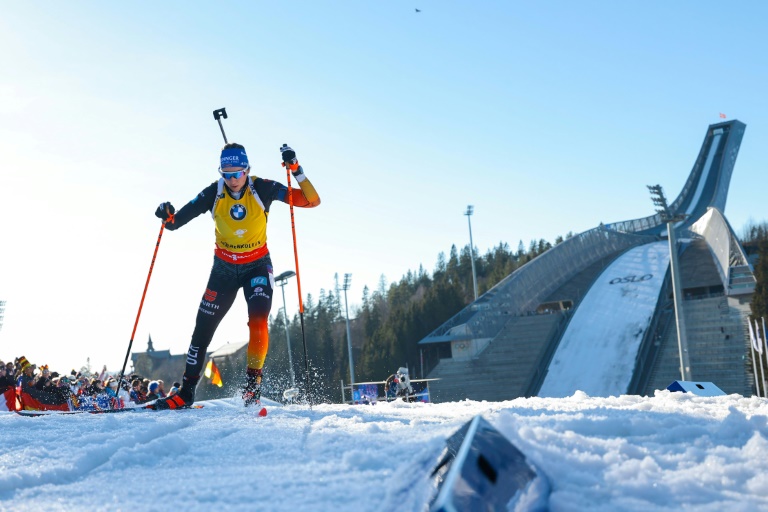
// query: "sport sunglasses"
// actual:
[[236, 174]]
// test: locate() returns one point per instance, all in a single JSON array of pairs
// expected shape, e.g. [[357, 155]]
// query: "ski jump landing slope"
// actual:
[[597, 352]]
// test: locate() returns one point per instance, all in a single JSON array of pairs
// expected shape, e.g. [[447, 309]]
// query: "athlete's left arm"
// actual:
[[306, 196]]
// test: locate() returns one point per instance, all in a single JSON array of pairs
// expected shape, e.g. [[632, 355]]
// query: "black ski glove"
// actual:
[[289, 159], [288, 154], [164, 211]]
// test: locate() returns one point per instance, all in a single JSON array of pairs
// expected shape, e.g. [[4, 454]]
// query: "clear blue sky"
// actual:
[[547, 117]]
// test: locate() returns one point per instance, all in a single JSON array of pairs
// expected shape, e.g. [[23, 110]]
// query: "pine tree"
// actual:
[[759, 304]]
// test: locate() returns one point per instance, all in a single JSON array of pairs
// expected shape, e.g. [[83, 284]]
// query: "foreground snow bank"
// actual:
[[619, 453]]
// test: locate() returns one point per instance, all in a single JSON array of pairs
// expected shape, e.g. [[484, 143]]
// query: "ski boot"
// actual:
[[252, 389], [181, 400]]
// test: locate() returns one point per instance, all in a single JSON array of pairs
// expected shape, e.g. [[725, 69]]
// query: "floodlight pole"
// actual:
[[468, 213], [345, 287], [282, 280], [657, 196]]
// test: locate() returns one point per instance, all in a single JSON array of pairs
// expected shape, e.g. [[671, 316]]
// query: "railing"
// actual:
[[529, 285], [636, 225]]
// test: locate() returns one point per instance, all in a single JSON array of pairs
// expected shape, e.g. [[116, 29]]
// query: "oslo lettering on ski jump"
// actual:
[[631, 279]]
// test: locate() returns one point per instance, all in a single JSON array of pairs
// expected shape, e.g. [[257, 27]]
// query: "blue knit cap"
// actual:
[[233, 157]]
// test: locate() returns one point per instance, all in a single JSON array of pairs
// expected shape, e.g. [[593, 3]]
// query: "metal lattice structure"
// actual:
[[521, 291]]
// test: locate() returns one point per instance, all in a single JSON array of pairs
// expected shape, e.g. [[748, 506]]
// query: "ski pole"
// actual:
[[141, 304], [217, 115], [298, 283]]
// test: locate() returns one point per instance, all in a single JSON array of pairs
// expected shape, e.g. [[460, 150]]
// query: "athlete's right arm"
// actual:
[[202, 203]]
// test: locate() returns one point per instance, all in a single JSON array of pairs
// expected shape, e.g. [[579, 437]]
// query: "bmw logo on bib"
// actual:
[[237, 212]]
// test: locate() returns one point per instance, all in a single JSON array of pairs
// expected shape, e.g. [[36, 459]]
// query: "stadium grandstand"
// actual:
[[596, 313]]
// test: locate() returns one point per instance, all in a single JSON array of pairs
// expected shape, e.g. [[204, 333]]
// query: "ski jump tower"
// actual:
[[595, 312]]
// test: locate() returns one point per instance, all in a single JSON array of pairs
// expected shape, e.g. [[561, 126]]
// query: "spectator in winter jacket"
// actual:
[[95, 388], [124, 393], [22, 363], [111, 388], [5, 381], [161, 390], [80, 385], [44, 382], [27, 380], [137, 396], [154, 387], [61, 390]]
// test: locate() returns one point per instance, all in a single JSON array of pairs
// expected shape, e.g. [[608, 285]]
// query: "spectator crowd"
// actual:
[[25, 386]]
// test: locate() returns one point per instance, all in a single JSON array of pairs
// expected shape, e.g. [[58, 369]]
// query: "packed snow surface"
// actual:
[[598, 351], [672, 451]]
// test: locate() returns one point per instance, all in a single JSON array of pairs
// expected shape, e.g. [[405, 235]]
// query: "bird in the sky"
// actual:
[[418, 10]]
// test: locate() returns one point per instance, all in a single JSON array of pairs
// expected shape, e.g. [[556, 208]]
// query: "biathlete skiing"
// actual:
[[239, 204]]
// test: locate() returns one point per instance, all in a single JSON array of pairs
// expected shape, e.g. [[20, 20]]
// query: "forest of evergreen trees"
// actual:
[[393, 318], [755, 240]]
